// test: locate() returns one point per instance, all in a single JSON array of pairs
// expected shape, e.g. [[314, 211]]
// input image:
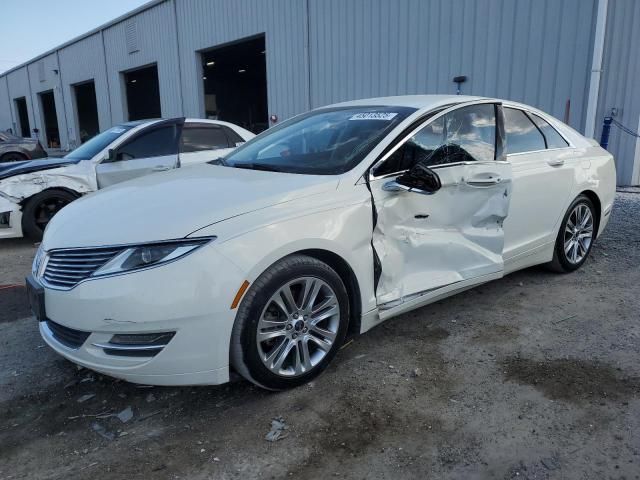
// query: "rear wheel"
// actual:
[[290, 324], [576, 236], [40, 209], [12, 157]]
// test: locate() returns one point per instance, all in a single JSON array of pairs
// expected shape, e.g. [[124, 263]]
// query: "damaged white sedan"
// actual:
[[319, 228], [32, 192]]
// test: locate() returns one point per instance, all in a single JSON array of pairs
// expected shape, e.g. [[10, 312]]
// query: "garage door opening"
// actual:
[[235, 84], [86, 110], [143, 93], [24, 130], [50, 119]]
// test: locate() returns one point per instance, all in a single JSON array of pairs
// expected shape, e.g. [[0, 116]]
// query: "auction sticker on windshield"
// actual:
[[373, 116]]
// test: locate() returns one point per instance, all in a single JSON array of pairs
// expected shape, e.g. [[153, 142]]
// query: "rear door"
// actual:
[[202, 142], [543, 178], [454, 236], [154, 149]]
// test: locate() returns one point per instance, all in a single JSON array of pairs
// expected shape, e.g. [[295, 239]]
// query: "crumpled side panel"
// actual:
[[80, 178], [425, 242]]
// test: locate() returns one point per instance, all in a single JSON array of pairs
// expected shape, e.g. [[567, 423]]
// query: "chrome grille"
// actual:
[[66, 268]]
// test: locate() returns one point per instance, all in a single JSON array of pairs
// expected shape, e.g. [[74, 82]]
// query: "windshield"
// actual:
[[92, 147], [322, 142]]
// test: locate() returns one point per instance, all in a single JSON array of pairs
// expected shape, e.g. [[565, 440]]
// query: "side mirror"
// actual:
[[111, 155], [419, 179]]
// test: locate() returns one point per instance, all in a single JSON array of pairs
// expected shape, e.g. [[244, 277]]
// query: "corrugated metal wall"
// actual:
[[43, 78], [5, 105], [534, 51], [81, 62], [324, 51], [18, 84], [203, 24], [620, 86], [156, 43]]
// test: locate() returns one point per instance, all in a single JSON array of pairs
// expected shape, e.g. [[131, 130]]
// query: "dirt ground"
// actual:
[[534, 376]]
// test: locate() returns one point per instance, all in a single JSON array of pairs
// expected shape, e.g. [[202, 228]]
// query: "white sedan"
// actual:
[[32, 192], [319, 228]]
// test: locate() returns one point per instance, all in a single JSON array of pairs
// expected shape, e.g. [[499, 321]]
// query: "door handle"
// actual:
[[484, 182], [161, 168], [556, 162]]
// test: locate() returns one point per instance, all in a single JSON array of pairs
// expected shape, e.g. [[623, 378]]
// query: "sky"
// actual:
[[31, 27]]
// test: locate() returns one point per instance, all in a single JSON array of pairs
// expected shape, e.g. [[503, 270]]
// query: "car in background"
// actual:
[[324, 225], [31, 193], [16, 149]]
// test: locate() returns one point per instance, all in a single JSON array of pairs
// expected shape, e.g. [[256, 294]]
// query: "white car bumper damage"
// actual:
[[16, 190], [10, 218]]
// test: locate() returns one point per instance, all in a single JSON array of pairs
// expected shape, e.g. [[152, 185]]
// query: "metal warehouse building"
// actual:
[[256, 62]]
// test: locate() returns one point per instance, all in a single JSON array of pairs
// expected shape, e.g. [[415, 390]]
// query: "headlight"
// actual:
[[149, 255]]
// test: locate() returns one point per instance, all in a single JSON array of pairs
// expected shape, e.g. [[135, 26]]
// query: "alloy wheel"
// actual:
[[578, 233], [298, 326]]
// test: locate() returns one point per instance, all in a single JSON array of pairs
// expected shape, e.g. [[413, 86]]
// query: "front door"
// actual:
[[453, 236], [154, 149]]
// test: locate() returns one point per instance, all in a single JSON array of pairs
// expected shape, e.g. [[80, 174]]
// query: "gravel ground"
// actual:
[[533, 376]]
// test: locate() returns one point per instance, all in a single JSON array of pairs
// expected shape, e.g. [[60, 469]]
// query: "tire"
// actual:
[[40, 209], [13, 157], [571, 250], [310, 345]]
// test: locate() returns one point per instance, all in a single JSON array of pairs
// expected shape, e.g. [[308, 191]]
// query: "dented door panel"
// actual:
[[425, 242]]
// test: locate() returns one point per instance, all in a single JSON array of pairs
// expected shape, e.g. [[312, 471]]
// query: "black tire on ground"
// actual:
[[13, 157], [244, 353], [561, 262], [41, 208]]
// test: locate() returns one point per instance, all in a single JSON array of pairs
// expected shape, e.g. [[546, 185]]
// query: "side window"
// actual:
[[521, 134], [201, 138], [155, 143], [463, 135], [234, 138], [554, 139]]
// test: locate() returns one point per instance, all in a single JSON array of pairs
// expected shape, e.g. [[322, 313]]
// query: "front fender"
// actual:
[[77, 178], [344, 231]]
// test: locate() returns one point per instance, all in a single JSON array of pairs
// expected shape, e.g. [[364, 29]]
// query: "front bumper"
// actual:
[[190, 297], [13, 212]]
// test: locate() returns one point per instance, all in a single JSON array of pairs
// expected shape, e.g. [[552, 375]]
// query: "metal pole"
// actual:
[[606, 129]]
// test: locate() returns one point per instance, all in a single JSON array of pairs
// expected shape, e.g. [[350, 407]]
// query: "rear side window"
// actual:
[[201, 138], [158, 142], [521, 134], [554, 139], [233, 136]]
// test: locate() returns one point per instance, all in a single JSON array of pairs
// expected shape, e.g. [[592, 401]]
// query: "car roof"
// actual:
[[415, 101]]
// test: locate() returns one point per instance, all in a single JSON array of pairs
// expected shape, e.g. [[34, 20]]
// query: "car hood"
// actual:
[[174, 204], [18, 168]]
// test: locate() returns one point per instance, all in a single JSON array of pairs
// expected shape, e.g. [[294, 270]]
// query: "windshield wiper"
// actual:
[[218, 161], [257, 166]]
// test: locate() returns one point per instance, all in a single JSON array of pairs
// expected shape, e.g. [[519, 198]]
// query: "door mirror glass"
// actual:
[[420, 179]]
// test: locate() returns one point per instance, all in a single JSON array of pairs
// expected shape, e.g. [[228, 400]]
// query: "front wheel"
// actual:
[[290, 324], [576, 236], [12, 157], [40, 209]]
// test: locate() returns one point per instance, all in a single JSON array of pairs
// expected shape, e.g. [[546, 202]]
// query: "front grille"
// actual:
[[67, 336], [66, 268]]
